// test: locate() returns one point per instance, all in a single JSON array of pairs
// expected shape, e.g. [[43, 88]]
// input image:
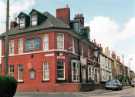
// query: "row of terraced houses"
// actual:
[[55, 53]]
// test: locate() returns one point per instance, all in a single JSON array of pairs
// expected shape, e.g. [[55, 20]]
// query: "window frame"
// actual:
[[20, 45], [46, 71], [22, 22], [60, 78], [11, 47], [32, 41], [11, 70], [60, 41], [77, 68], [46, 42], [18, 72], [34, 22]]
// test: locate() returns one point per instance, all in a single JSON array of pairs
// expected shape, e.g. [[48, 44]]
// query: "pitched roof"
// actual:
[[50, 22]]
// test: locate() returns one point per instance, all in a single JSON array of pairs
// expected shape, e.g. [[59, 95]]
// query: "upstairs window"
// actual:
[[32, 44], [46, 42], [22, 22], [11, 47], [60, 41], [34, 20], [20, 45]]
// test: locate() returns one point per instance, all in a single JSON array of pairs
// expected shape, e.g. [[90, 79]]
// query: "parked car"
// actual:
[[133, 82], [113, 85]]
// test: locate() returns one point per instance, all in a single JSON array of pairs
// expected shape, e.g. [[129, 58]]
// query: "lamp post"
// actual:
[[6, 39]]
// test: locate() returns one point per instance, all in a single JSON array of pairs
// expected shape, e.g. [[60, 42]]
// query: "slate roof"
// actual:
[[50, 22]]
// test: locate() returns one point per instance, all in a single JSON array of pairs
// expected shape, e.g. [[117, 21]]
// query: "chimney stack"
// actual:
[[13, 24], [63, 14], [80, 18]]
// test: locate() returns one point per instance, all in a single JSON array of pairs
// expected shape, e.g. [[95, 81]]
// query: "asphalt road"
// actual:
[[128, 92]]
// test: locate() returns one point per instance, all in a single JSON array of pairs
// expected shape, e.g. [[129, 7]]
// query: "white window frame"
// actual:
[[19, 71], [46, 73], [22, 22], [77, 66], [46, 42], [60, 42], [11, 70], [34, 20], [58, 78], [20, 45], [11, 47], [73, 45]]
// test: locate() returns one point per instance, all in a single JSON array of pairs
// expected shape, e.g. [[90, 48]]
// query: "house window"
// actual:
[[73, 45], [60, 41], [89, 73], [75, 67], [32, 74], [34, 20], [11, 47], [46, 42], [32, 44], [20, 45], [22, 22], [11, 70], [60, 70], [20, 72], [45, 71]]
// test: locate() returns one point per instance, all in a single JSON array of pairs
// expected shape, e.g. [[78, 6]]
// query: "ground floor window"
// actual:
[[11, 70], [60, 70], [75, 67], [89, 73], [20, 72], [45, 71]]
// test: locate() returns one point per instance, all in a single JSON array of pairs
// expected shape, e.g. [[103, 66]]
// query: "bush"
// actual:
[[8, 86]]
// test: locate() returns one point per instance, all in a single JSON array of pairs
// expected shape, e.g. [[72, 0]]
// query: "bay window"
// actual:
[[60, 70], [60, 41]]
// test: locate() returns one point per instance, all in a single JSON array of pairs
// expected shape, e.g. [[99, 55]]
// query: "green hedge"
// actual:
[[8, 86]]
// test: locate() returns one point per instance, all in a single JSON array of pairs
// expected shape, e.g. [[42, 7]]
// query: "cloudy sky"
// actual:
[[112, 22]]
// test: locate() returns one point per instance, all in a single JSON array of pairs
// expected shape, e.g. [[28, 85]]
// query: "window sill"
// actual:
[[20, 81], [45, 80]]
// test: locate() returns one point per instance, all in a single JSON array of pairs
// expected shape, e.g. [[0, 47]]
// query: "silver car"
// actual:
[[113, 85]]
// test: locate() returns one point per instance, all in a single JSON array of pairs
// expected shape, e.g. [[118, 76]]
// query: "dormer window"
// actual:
[[34, 20], [22, 22]]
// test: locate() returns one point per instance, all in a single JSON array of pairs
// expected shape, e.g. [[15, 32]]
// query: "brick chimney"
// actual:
[[63, 14], [13, 24]]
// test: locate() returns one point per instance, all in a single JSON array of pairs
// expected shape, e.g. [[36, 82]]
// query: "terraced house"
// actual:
[[48, 53]]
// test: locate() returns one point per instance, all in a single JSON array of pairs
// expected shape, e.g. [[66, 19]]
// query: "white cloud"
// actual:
[[107, 31]]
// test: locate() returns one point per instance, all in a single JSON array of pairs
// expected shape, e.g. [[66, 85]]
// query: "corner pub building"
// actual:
[[48, 53]]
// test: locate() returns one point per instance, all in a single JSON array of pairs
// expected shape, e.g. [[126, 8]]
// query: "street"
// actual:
[[126, 92]]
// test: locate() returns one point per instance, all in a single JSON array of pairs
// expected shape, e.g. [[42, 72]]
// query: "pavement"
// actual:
[[126, 92]]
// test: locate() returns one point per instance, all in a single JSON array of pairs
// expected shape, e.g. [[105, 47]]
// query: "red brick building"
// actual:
[[48, 53]]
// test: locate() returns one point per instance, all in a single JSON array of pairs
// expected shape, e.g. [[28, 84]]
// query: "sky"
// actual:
[[111, 21]]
